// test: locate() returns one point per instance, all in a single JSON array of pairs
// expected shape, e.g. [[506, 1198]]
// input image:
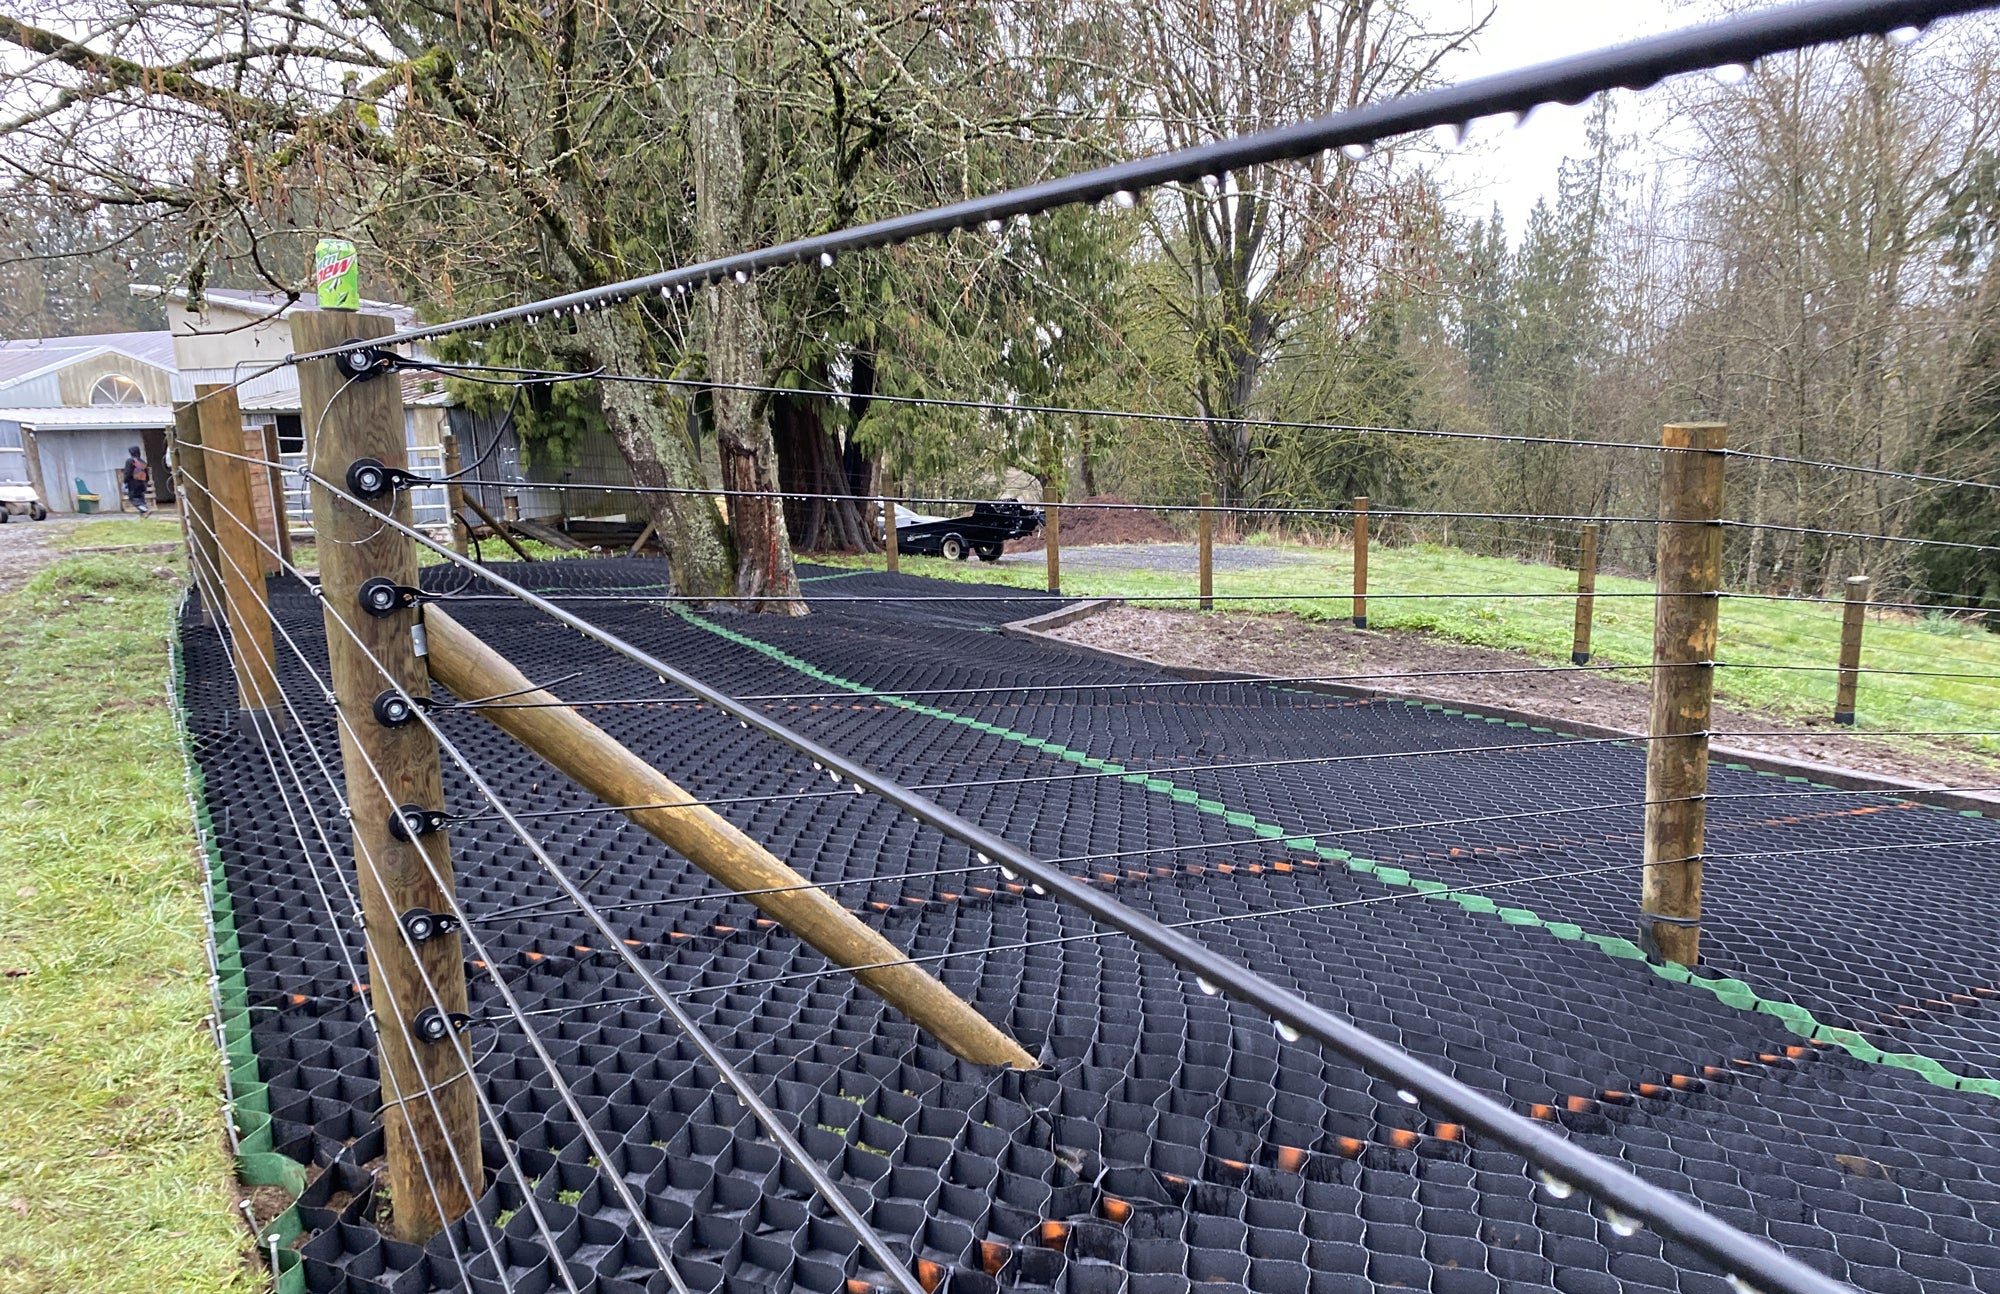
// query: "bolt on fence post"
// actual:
[[240, 558], [1852, 619], [390, 766], [1586, 587], [1207, 552], [1052, 526], [197, 513], [1361, 561], [1685, 606], [454, 496], [891, 551]]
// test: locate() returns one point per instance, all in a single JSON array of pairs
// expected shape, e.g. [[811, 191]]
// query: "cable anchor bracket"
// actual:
[[410, 821], [433, 1025], [381, 596], [423, 925], [371, 478]]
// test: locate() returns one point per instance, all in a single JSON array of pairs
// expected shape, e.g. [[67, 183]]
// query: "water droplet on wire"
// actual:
[[826, 260], [1125, 199], [1555, 1186], [1206, 987], [1039, 890], [1740, 1285], [741, 276], [1288, 1033], [992, 226], [1731, 73], [1355, 152], [1904, 35], [1620, 1224], [1406, 1096]]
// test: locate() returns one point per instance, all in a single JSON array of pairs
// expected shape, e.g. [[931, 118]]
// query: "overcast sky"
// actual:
[[1513, 166]]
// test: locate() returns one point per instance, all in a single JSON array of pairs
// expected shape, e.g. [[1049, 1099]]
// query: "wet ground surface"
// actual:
[[1820, 1084]]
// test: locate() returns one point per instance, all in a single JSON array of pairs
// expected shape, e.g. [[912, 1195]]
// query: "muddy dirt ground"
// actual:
[[1284, 645]]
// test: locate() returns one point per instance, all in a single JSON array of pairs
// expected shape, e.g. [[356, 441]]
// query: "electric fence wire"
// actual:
[[530, 377], [1597, 1177], [869, 1238], [266, 737]]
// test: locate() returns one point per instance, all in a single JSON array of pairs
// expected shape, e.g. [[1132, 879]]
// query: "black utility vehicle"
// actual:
[[982, 533]]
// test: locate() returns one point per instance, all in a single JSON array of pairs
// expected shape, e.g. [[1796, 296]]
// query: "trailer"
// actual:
[[981, 534]]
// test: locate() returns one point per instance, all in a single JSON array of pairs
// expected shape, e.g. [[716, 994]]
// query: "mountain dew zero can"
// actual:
[[337, 274]]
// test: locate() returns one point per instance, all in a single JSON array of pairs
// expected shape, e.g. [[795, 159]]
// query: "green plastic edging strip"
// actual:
[[1730, 992], [258, 1163]]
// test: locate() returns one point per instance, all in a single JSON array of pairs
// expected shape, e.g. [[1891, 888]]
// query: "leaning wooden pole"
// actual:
[[391, 767], [593, 760], [1586, 596], [892, 553], [1854, 618], [1685, 606]]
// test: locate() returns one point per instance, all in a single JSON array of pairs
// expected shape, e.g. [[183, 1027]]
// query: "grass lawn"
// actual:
[[1753, 632], [114, 1175], [117, 531]]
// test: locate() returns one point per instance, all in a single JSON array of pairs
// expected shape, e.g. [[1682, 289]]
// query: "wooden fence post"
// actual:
[[240, 558], [388, 768], [1052, 528], [1853, 618], [454, 498], [1207, 552], [1361, 561], [280, 561], [1685, 605], [1586, 602], [197, 513], [892, 550]]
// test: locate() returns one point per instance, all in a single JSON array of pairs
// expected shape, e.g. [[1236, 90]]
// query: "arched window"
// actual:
[[116, 388]]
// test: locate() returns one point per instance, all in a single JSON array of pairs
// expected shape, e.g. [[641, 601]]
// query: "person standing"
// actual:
[[136, 477]]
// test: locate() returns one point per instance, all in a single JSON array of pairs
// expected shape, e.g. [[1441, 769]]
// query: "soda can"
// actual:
[[337, 274]]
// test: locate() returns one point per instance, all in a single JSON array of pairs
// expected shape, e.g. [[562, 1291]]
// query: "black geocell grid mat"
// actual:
[[1174, 1136]]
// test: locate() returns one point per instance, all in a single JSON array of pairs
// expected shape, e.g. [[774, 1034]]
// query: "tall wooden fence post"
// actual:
[[1586, 600], [1361, 561], [1207, 552], [454, 498], [1052, 526], [389, 768], [197, 513], [1852, 619], [892, 550], [1685, 606], [228, 453], [278, 557]]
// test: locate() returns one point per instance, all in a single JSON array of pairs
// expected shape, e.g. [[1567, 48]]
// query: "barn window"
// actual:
[[116, 388]]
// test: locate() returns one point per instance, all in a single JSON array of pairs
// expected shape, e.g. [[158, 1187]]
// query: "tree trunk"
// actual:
[[735, 343], [652, 433]]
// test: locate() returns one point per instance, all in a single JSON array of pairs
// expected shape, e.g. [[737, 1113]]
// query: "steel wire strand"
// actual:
[[1441, 892], [1282, 842], [745, 1091], [529, 376], [474, 1192], [1742, 39], [561, 1086], [1600, 1178]]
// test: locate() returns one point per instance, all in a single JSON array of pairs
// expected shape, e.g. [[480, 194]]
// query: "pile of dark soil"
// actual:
[[1084, 524]]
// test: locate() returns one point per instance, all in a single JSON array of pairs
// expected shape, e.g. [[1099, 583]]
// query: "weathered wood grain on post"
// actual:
[[1361, 561], [228, 451], [592, 759], [197, 512], [1685, 607], [1052, 526], [1586, 600], [1853, 619], [892, 550], [1207, 552], [387, 767], [454, 498]]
